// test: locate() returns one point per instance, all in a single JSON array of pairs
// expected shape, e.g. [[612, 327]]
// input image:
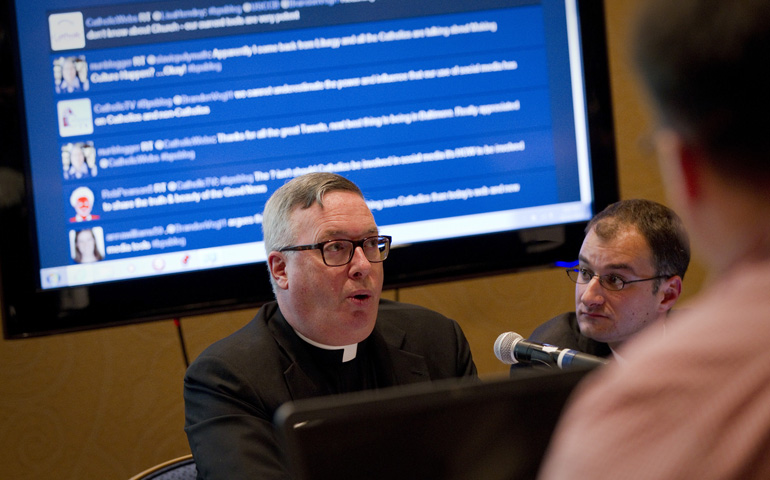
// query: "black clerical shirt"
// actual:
[[352, 375]]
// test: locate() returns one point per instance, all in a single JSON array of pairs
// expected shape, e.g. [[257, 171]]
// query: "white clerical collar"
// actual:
[[348, 351]]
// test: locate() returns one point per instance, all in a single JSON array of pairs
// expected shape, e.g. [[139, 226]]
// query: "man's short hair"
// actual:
[[705, 63], [660, 226], [304, 192]]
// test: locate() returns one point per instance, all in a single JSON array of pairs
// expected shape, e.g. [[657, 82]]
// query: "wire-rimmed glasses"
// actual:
[[610, 281]]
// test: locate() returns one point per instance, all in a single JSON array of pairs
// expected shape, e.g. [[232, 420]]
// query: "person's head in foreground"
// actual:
[[693, 404]]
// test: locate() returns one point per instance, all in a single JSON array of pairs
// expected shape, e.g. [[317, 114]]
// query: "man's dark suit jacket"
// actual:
[[563, 331], [234, 387]]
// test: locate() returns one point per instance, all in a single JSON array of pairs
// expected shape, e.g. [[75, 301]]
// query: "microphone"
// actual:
[[510, 348]]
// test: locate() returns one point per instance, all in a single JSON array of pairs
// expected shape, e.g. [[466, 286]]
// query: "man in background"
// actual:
[[629, 276], [694, 404], [328, 332]]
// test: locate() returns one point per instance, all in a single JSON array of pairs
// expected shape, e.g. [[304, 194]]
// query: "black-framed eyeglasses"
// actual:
[[610, 281], [336, 253]]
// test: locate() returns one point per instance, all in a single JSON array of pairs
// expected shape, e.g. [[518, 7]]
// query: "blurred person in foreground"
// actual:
[[695, 404], [327, 332], [629, 276]]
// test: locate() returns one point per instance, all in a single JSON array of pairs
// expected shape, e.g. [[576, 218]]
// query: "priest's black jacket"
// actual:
[[234, 387]]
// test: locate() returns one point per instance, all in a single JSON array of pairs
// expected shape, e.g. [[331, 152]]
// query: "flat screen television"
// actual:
[[142, 139]]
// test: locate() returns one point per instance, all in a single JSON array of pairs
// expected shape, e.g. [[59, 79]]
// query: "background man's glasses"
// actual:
[[336, 253], [610, 281]]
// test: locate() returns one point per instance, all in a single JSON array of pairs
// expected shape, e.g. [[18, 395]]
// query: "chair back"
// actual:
[[182, 468]]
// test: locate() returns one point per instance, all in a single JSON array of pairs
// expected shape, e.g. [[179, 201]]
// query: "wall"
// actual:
[[107, 404]]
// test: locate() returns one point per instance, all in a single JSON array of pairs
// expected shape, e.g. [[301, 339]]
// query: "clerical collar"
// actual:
[[348, 351]]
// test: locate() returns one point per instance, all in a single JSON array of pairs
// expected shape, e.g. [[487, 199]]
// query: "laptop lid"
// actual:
[[453, 429]]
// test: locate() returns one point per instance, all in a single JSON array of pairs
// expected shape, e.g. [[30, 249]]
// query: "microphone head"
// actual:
[[504, 347]]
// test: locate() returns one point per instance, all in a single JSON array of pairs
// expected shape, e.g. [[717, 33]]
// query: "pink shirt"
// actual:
[[695, 404]]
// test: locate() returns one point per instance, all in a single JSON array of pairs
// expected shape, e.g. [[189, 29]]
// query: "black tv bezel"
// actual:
[[29, 311]]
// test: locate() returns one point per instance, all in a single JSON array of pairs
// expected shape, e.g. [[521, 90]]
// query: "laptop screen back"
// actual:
[[443, 430]]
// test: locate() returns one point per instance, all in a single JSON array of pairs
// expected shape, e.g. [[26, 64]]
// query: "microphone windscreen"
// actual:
[[504, 347]]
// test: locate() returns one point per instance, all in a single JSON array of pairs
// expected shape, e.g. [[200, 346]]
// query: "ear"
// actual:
[[670, 289], [276, 262], [691, 171], [680, 164]]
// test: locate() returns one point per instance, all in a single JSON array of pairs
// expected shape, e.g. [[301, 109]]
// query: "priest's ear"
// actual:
[[276, 263]]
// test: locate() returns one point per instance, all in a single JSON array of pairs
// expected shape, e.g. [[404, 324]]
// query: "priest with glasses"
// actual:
[[327, 332]]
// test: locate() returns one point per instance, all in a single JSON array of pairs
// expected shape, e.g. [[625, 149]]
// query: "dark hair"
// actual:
[[658, 224], [78, 254], [706, 65]]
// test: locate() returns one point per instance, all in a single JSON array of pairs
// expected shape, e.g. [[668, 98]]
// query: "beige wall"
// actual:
[[107, 404]]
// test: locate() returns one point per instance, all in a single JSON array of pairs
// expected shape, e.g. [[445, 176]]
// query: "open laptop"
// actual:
[[444, 430]]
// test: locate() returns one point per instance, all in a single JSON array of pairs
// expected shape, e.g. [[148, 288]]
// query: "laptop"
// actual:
[[448, 430]]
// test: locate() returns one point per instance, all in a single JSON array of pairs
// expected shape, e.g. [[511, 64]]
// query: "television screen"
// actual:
[[145, 137]]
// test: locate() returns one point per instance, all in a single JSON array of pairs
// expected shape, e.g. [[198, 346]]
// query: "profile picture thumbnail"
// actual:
[[82, 200], [75, 117], [87, 245], [67, 31], [78, 160], [70, 74]]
